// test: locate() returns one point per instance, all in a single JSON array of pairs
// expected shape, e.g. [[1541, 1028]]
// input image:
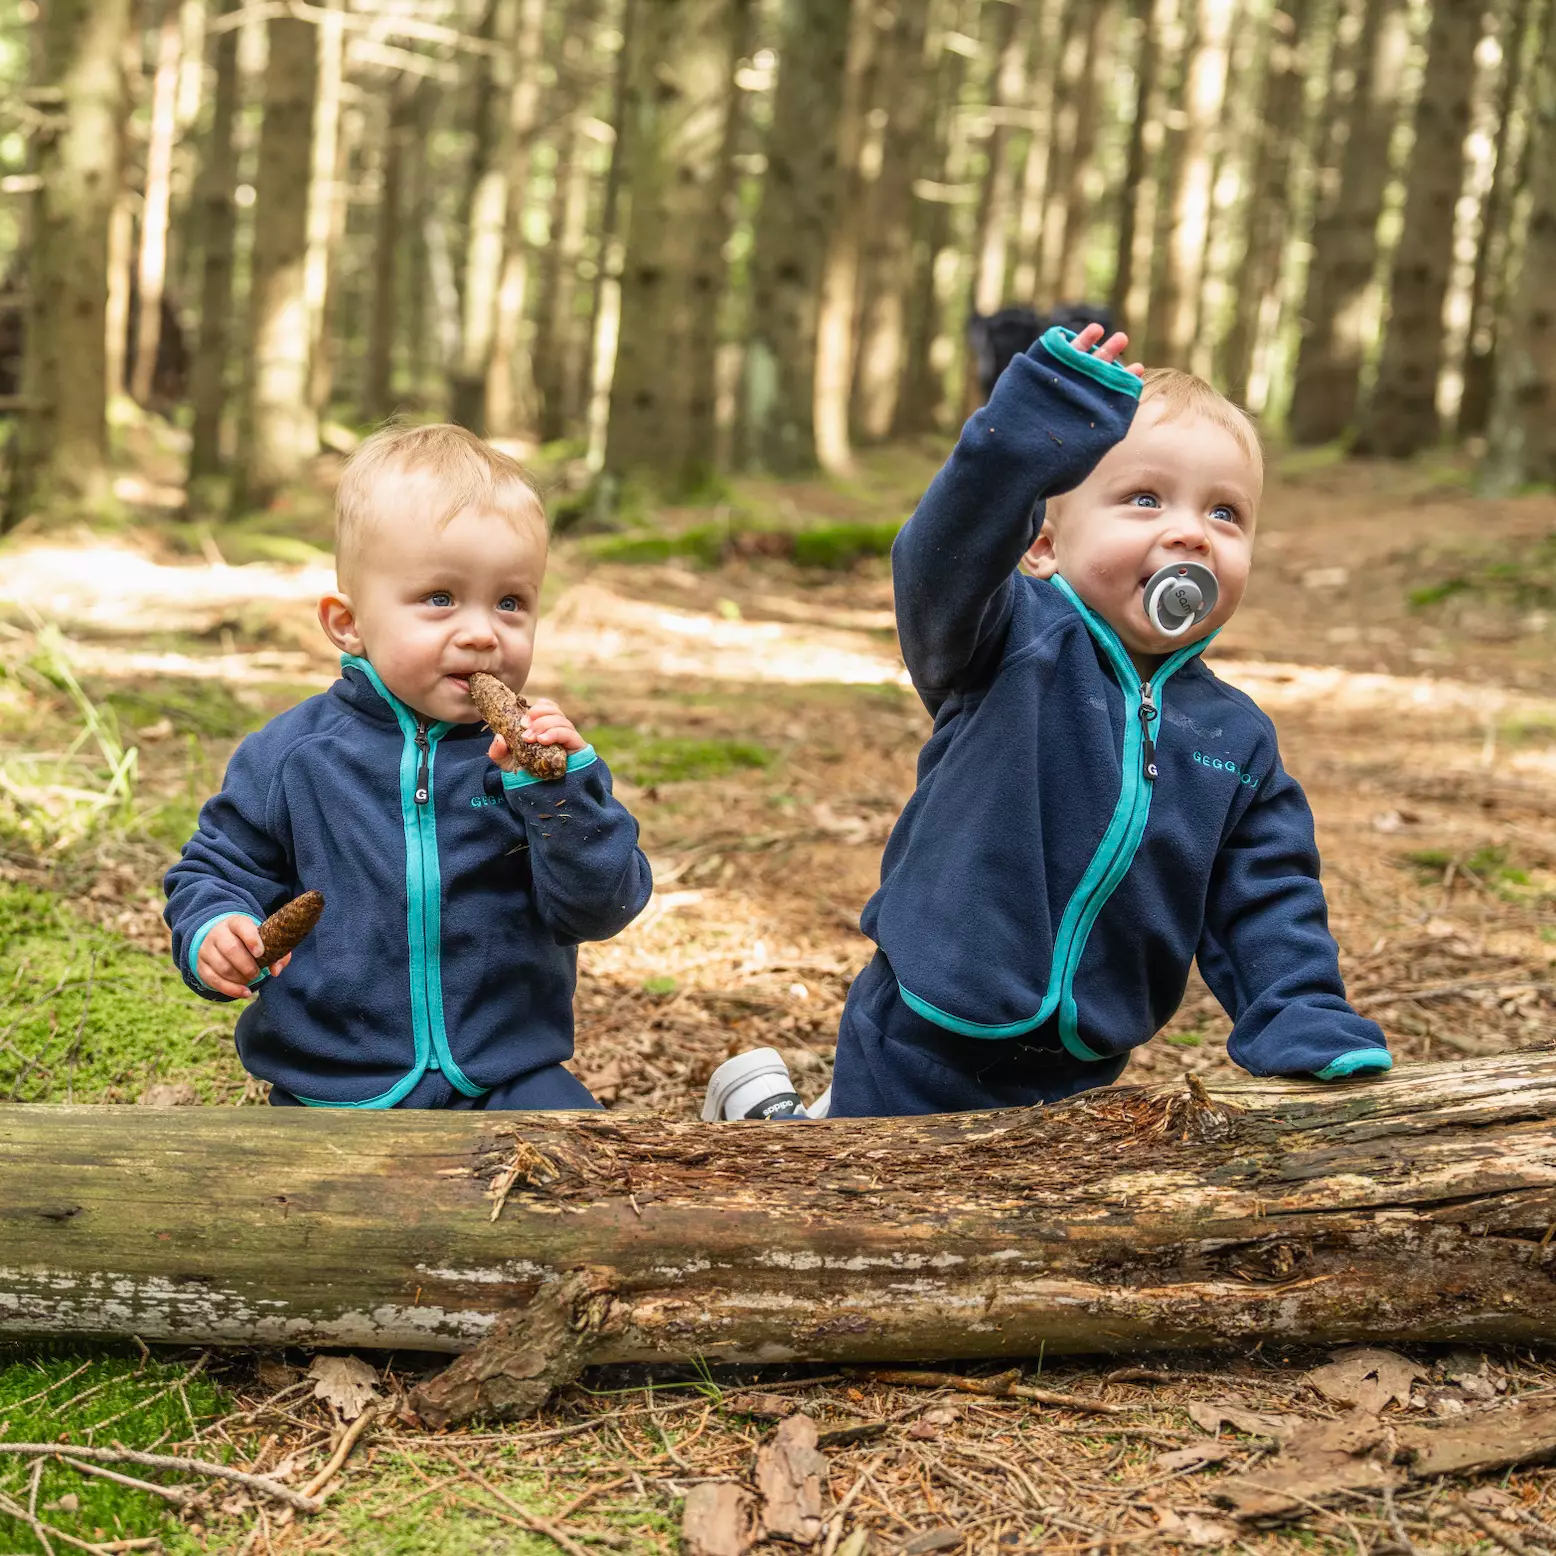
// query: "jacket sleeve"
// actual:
[[1267, 953], [1054, 413], [591, 878], [236, 862]]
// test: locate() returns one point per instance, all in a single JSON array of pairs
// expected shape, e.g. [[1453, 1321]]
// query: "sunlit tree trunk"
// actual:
[[483, 217], [279, 431], [836, 319], [1267, 205], [61, 448], [324, 199], [1178, 34], [889, 249], [152, 260], [214, 189], [389, 234], [1136, 209], [422, 309], [510, 385], [1402, 418], [1054, 24], [680, 76], [1489, 283], [1522, 427], [1345, 236], [1008, 46], [1175, 302], [1070, 209], [931, 349], [557, 354]]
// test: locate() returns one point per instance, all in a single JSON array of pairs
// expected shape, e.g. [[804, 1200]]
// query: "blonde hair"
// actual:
[[1182, 394], [460, 469]]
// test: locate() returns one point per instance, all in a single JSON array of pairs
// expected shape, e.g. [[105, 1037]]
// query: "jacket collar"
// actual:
[[1111, 644], [361, 689]]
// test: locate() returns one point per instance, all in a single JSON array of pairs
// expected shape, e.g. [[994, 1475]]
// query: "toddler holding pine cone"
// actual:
[[458, 872]]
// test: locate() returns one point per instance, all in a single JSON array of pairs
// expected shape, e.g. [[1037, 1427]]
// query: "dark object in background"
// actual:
[[994, 338], [170, 379]]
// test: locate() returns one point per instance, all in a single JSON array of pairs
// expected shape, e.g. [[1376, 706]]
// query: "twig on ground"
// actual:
[[167, 1461], [42, 1531], [342, 1452], [531, 1521], [58, 1383], [179, 1496], [1503, 1537], [1003, 1386], [150, 1399]]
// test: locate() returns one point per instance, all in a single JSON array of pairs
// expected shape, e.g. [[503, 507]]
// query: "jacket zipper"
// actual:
[[1148, 716], [423, 777]]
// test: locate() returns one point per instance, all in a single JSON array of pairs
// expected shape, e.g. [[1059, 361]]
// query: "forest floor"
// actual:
[[755, 712]]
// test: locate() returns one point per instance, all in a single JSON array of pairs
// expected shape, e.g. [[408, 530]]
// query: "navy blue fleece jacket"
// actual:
[[449, 935], [1041, 871]]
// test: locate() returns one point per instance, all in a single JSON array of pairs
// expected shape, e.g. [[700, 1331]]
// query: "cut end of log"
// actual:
[[289, 926], [503, 709]]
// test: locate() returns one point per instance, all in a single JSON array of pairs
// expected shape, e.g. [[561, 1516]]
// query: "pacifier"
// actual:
[[1179, 596]]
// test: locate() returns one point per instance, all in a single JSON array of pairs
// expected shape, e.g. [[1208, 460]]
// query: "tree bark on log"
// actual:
[[1416, 1207]]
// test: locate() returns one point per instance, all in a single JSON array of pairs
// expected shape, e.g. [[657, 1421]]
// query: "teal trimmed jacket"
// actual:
[[1079, 837], [456, 896]]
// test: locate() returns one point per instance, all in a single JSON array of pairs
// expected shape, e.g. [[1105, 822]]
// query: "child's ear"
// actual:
[[338, 617], [1041, 560]]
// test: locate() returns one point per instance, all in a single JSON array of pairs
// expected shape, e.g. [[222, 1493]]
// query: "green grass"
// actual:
[[138, 1401], [88, 1014], [1522, 580], [832, 546], [1490, 864], [643, 758]]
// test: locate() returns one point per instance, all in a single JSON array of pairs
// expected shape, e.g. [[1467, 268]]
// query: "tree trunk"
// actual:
[[558, 350], [1523, 416], [152, 264], [1413, 1208], [483, 218], [888, 256], [1052, 27], [837, 307], [1488, 286], [1175, 301], [1136, 188], [931, 349], [423, 309], [279, 431], [1345, 236], [510, 386], [61, 449], [214, 189], [326, 201], [378, 391], [1070, 213], [1267, 206], [1008, 41], [1402, 417]]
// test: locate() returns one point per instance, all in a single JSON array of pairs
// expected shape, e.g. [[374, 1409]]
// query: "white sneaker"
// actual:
[[821, 1107], [755, 1084]]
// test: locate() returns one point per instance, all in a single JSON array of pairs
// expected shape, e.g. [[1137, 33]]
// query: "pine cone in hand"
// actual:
[[502, 708], [289, 926]]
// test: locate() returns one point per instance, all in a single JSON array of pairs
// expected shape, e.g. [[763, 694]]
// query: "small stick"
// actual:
[[168, 1461], [341, 1453], [1001, 1386], [531, 1521], [179, 1496], [1508, 1542]]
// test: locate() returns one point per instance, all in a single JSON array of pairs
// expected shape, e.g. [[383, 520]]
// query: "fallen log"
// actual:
[[1421, 1206]]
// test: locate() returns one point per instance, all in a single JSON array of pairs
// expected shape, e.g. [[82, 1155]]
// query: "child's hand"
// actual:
[[1110, 350], [229, 957], [545, 724]]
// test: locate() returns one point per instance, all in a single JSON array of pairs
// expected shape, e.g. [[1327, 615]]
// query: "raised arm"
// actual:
[[1267, 953], [1056, 410]]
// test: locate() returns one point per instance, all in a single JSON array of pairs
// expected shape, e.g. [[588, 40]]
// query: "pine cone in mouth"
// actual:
[[289, 926], [503, 708]]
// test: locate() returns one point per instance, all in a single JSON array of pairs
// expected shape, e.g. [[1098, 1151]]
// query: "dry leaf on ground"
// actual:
[[1192, 1528], [1318, 1460], [718, 1520], [789, 1476], [1254, 1423], [765, 1407], [1367, 1377], [1196, 1455], [346, 1382], [177, 1094]]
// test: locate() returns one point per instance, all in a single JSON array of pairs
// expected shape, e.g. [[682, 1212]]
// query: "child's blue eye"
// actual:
[[509, 602], [440, 599], [1145, 500], [1225, 512]]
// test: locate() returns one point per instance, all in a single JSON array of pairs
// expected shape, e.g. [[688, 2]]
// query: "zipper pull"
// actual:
[[422, 777], [1147, 740]]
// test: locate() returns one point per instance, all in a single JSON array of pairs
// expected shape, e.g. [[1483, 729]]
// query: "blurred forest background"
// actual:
[[667, 239]]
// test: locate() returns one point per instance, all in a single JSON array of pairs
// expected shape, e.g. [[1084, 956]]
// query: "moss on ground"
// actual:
[[644, 758], [88, 1015], [54, 1393]]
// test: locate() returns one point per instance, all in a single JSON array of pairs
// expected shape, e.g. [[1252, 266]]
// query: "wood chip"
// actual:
[[789, 1476], [718, 1520]]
